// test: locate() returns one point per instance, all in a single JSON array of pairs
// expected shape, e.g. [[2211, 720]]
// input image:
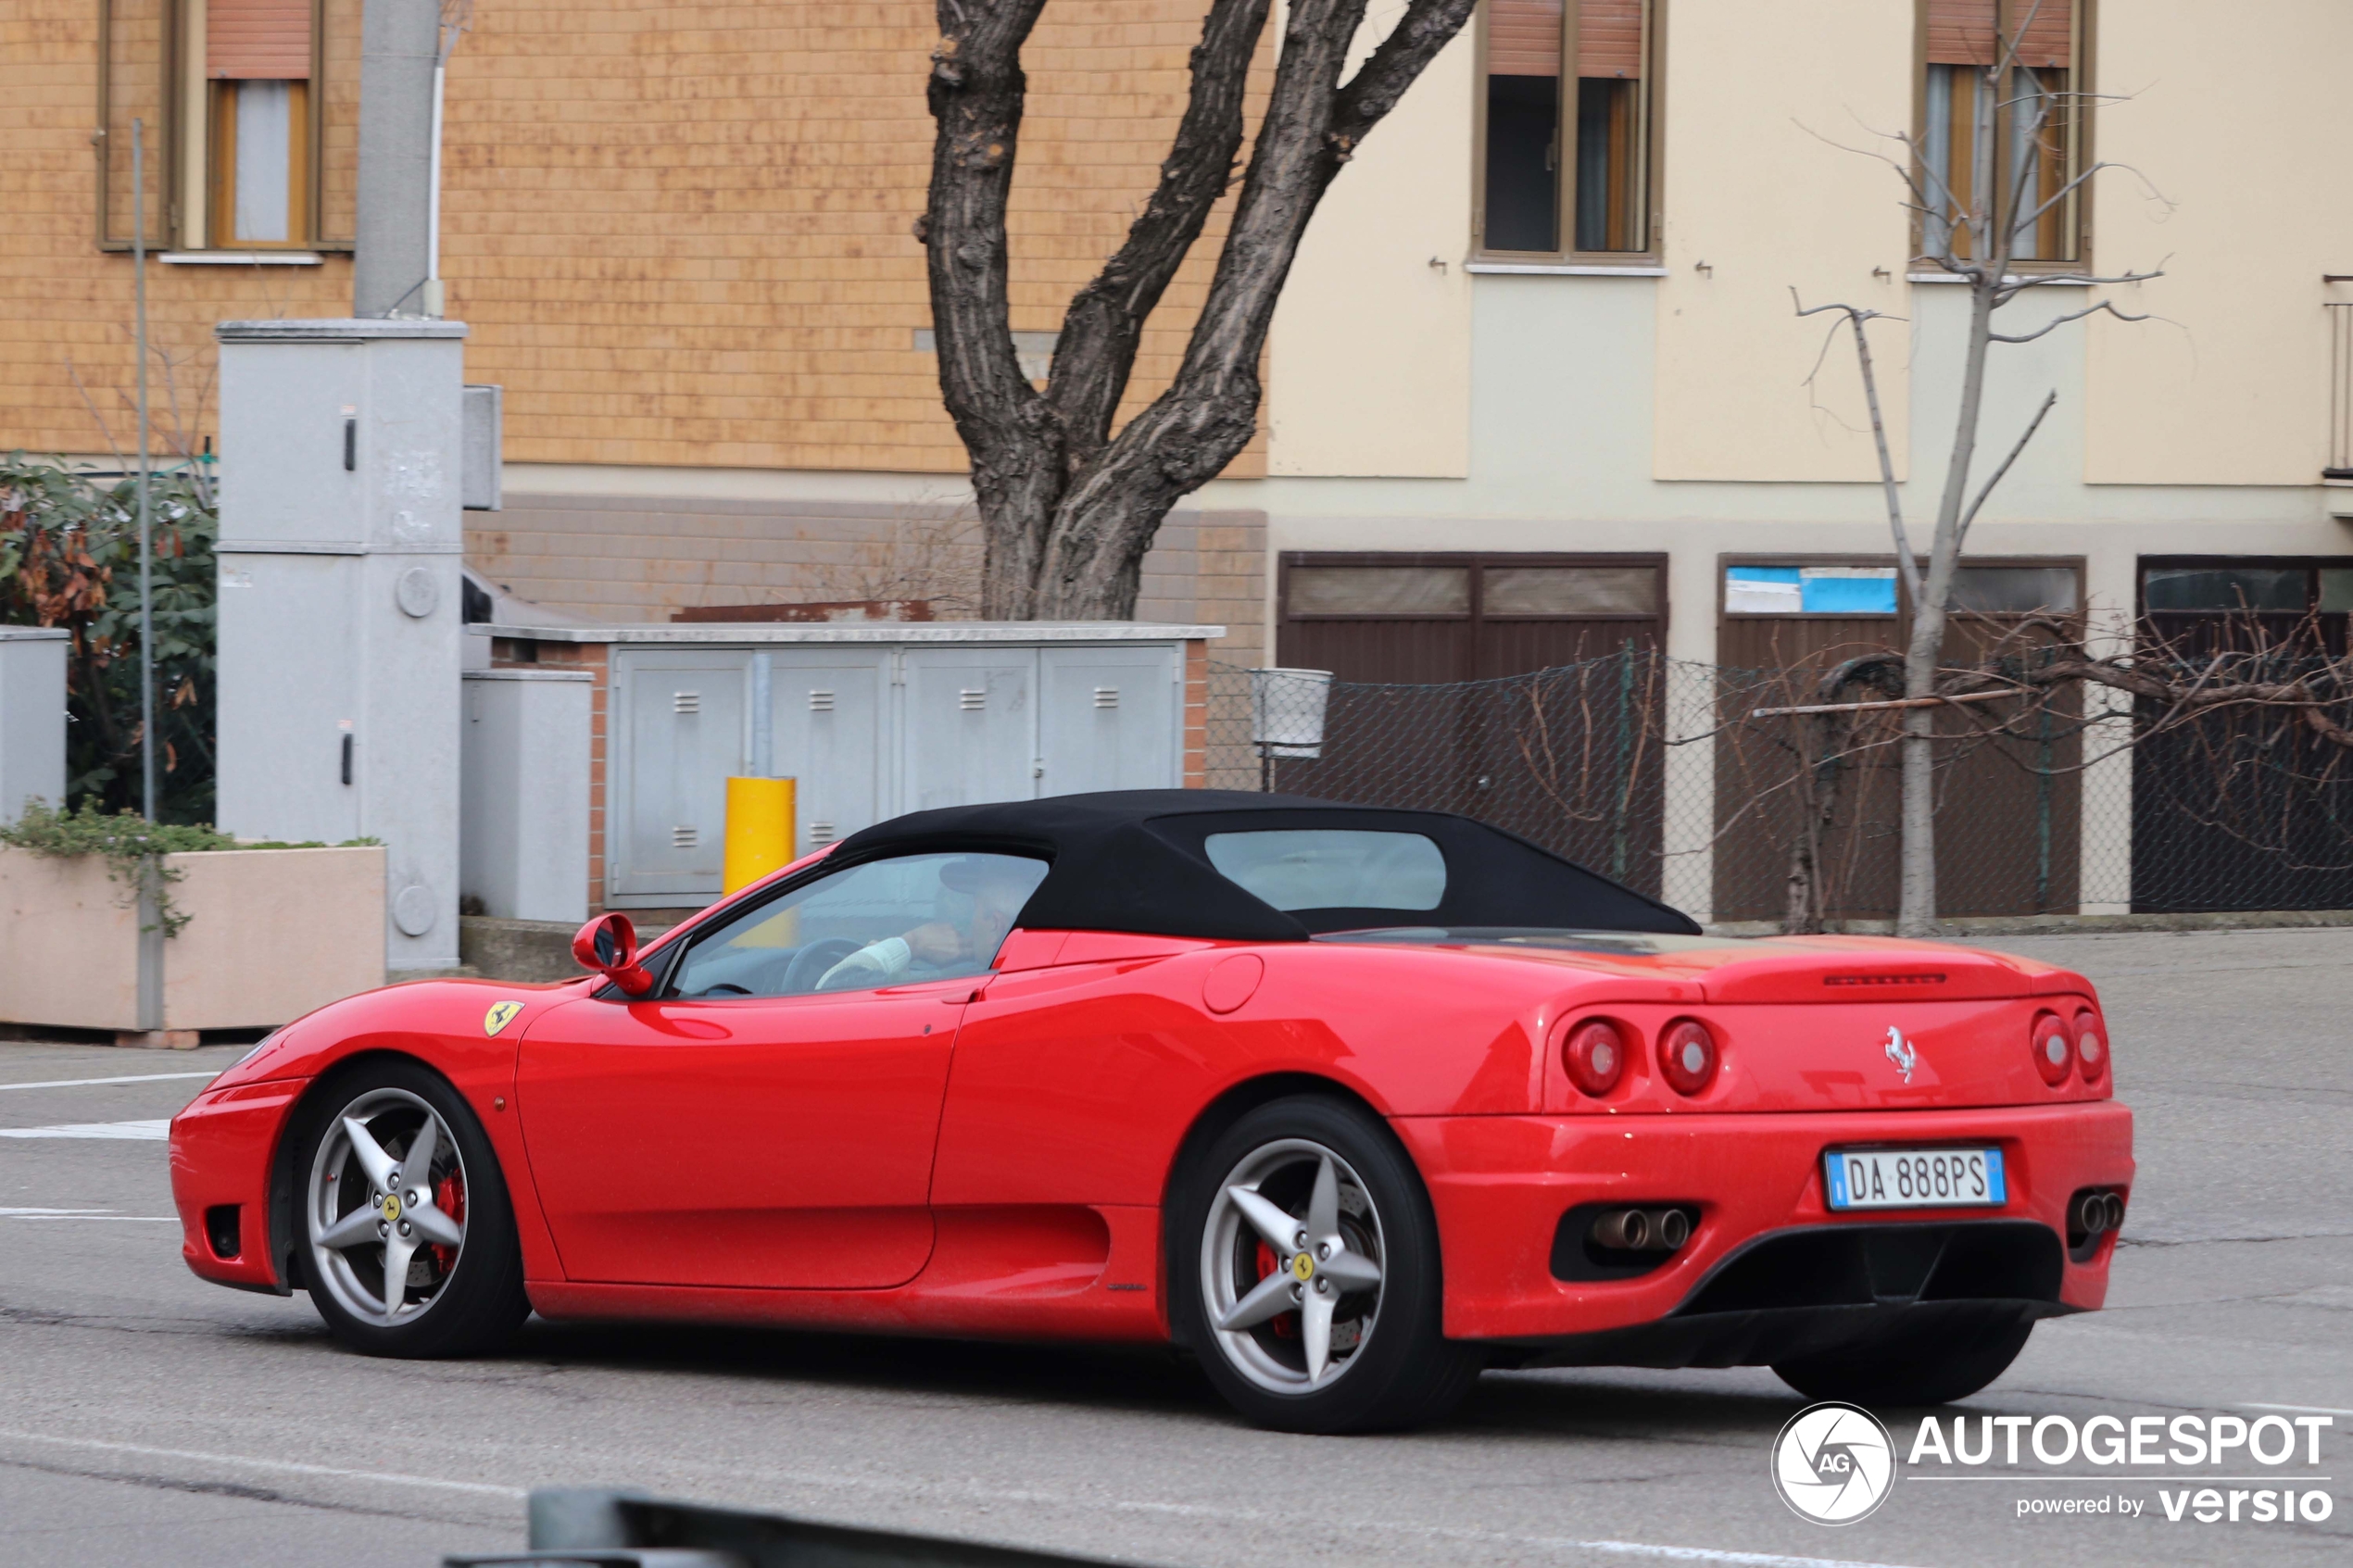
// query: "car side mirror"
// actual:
[[609, 946]]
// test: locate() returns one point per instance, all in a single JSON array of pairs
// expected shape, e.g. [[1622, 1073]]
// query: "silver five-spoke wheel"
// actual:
[[386, 1208], [1292, 1266]]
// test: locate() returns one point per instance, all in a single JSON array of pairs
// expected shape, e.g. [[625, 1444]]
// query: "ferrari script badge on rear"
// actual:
[[1899, 1050], [500, 1016]]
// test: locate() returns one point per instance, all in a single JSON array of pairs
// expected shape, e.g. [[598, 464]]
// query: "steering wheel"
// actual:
[[724, 988], [811, 963]]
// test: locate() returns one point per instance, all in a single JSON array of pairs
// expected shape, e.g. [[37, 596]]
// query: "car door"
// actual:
[[767, 1117]]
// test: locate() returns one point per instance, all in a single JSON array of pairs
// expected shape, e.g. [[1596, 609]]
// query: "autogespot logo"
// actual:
[[1833, 1464]]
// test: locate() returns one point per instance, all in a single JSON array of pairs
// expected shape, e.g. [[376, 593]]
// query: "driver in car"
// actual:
[[999, 889]]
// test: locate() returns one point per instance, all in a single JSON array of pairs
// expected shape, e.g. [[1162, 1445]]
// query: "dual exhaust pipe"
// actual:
[[2094, 1214], [1642, 1229]]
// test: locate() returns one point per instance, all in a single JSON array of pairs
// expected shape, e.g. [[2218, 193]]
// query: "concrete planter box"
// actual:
[[271, 934]]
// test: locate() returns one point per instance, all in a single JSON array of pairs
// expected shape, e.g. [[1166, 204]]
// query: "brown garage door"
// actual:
[[2008, 810], [1519, 689], [1438, 618]]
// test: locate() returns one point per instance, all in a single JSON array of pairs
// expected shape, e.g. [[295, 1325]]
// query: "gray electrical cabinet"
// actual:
[[32, 718], [340, 602], [873, 720]]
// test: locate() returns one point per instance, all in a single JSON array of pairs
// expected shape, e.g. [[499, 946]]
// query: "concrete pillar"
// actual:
[[33, 717], [399, 41], [341, 602], [2111, 586], [1689, 874]]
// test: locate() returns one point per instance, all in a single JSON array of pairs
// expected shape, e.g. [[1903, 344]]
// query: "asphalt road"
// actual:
[[148, 1419]]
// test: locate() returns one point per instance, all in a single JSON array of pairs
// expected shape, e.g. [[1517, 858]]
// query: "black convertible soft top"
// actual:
[[1135, 860]]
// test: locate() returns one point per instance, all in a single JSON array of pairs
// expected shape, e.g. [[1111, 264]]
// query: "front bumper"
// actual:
[[1501, 1183], [222, 1146]]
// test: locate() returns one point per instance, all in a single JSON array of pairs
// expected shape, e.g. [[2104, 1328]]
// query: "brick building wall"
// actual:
[[681, 233]]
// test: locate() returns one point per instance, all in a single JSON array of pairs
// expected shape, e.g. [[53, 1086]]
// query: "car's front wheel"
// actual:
[[408, 1239], [1303, 1266], [1910, 1369]]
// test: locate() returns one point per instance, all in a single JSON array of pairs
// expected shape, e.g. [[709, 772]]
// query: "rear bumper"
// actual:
[[1501, 1183], [222, 1148]]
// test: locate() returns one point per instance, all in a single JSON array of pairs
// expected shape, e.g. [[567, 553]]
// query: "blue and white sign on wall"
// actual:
[[1810, 590]]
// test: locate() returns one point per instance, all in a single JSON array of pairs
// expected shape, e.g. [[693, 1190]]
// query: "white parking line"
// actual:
[[101, 1215], [1604, 1548], [246, 1462], [155, 1131], [130, 1078], [2306, 1410]]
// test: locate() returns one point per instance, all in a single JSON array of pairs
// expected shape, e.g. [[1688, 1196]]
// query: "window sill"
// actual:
[[1563, 270], [2052, 282], [241, 258]]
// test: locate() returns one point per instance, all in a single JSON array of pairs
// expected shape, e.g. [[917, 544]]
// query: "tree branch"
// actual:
[[2106, 306], [975, 94], [1855, 317], [1995, 477], [1096, 353]]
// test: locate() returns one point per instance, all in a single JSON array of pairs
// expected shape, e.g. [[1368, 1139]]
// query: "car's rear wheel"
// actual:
[[1303, 1266], [407, 1240], [1910, 1369]]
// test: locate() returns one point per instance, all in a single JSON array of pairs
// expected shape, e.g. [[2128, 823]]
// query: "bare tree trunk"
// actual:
[[1067, 508], [1916, 897]]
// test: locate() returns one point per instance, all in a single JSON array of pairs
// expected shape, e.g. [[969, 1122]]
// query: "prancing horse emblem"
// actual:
[[1900, 1052]]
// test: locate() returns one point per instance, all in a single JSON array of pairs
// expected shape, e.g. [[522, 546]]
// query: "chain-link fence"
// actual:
[[1769, 795]]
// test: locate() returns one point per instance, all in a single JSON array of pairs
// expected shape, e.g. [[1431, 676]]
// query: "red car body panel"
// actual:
[[990, 1156]]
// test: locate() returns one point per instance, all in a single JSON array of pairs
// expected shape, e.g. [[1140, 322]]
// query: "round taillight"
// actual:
[[2053, 1053], [1595, 1056], [1687, 1056], [2091, 1046]]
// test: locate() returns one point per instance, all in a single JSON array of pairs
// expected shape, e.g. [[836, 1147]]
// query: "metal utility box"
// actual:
[[33, 717], [341, 599], [524, 814], [873, 719]]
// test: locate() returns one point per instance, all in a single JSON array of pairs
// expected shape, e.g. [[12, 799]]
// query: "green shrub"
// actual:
[[70, 558]]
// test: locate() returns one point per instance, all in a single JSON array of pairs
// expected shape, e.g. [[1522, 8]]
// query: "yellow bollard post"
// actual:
[[760, 816]]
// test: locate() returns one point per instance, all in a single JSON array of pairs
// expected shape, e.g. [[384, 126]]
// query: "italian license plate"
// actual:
[[1914, 1178]]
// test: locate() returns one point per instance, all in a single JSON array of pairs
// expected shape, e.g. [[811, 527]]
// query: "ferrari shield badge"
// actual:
[[500, 1016], [1900, 1052]]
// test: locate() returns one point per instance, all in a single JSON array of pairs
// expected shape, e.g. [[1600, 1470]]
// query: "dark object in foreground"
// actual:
[[584, 1529]]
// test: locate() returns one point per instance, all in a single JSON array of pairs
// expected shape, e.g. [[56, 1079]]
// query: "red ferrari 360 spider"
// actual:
[[1348, 1102]]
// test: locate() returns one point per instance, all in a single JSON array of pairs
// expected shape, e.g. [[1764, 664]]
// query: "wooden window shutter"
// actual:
[[257, 40], [1524, 38], [2045, 37], [1609, 38], [1960, 32]]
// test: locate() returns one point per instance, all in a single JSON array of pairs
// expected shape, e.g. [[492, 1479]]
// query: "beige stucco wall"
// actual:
[[272, 934], [1756, 194], [2236, 138], [1370, 354]]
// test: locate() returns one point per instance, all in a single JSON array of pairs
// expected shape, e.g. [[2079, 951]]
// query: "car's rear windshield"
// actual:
[[1332, 868]]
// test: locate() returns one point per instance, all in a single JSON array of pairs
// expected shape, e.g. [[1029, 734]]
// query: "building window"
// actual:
[[1584, 153], [1981, 142], [250, 111], [258, 61]]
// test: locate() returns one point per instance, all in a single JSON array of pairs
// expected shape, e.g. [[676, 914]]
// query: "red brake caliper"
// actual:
[[449, 1197], [1284, 1326]]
